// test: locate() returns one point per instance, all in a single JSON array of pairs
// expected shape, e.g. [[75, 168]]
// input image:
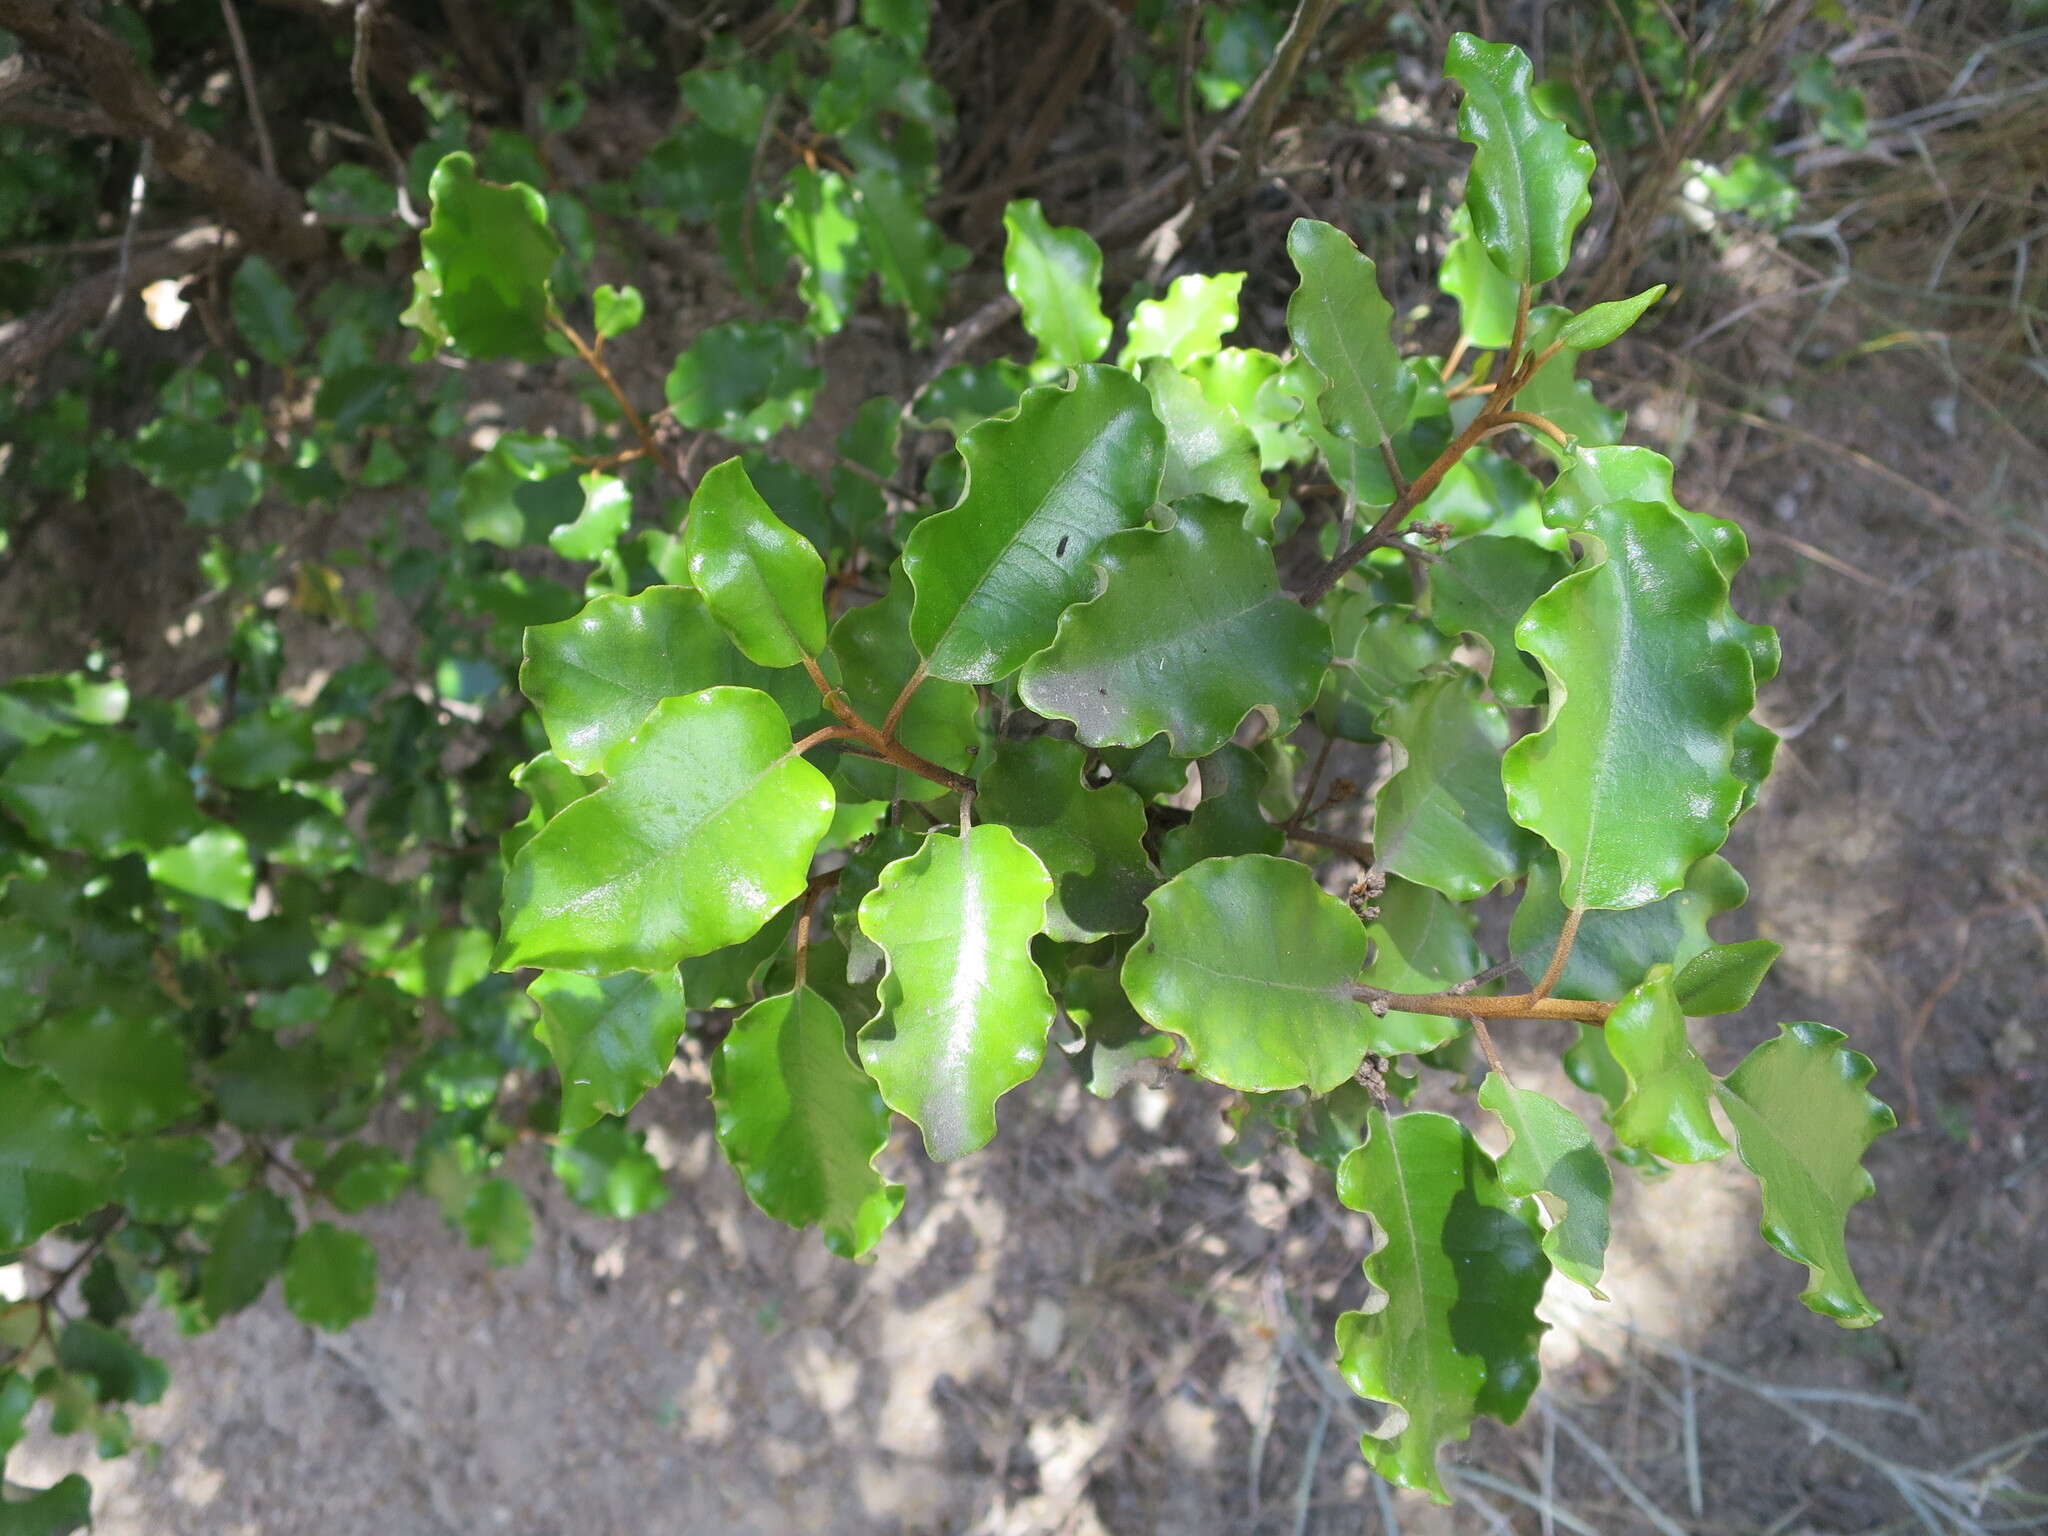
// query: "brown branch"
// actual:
[[1560, 956], [610, 381], [1522, 1005], [1335, 842], [25, 342]]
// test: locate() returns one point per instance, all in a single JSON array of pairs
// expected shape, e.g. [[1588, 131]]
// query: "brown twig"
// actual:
[[1560, 957], [1521, 1005], [266, 151], [606, 377], [25, 342], [1335, 842], [819, 885]]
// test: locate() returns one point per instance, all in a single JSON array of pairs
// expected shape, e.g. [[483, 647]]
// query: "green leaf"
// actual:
[[1252, 963], [215, 864], [870, 659], [1117, 1046], [1245, 380], [1555, 393], [120, 1372], [1630, 778], [967, 394], [1483, 587], [1528, 187], [54, 1511], [1607, 323], [964, 1009], [170, 1180], [617, 310], [907, 21], [1486, 300], [746, 380], [911, 256], [608, 1169], [1055, 275], [1379, 651], [100, 794], [607, 508], [1189, 323], [611, 1038], [1190, 634], [1723, 979], [330, 1281], [1803, 1121], [595, 678], [802, 1124], [54, 1167], [1091, 841], [818, 214], [487, 255], [705, 829], [132, 1071], [1553, 1157], [1209, 452], [1341, 323], [1442, 819], [1668, 1111], [760, 578], [1045, 487], [1615, 950], [497, 1219], [255, 750], [1422, 942], [266, 311], [249, 1247], [359, 1176], [1457, 1274], [1227, 820]]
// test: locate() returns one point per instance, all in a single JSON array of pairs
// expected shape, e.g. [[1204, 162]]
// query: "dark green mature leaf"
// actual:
[[1803, 1121], [249, 1247], [101, 794], [265, 311], [360, 1176], [1228, 819], [1045, 487], [746, 380], [54, 1167], [706, 827], [1252, 963], [1483, 587], [1379, 651], [58, 1510], [802, 1124], [760, 578], [1117, 1046], [1190, 634], [1055, 275], [1668, 1111], [612, 1038], [131, 1070], [1528, 187], [818, 214], [1188, 324], [872, 656], [1422, 942], [257, 749], [170, 1179], [1458, 1272], [1552, 1156], [910, 254], [330, 1281], [1604, 324], [1723, 979], [1630, 778], [487, 255], [1615, 950], [120, 1372], [1341, 322], [1209, 452], [1442, 820], [964, 1009], [1091, 841]]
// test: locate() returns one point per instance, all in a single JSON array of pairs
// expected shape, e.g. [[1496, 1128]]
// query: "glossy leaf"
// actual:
[[1228, 819], [1209, 452], [54, 1167], [1045, 488], [1604, 324], [1487, 300], [1091, 841], [214, 864], [802, 1124], [607, 1168], [871, 657], [1528, 187], [1451, 1329], [1483, 587], [1803, 1120], [1245, 381], [911, 256], [611, 1038], [745, 380], [964, 1008], [102, 794], [132, 1070], [760, 578], [1055, 275], [249, 1248], [705, 829], [607, 508], [1668, 1111], [1552, 1156], [487, 255], [1187, 324], [330, 1280], [1421, 942], [1442, 819], [1341, 323], [1380, 649], [818, 214], [1190, 633], [1723, 979], [1630, 778], [1252, 963], [1615, 950]]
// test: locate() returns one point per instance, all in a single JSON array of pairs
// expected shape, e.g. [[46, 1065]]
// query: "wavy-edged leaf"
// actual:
[[1631, 779], [1209, 452], [1188, 323], [1486, 299], [1252, 963], [1723, 979], [1615, 950], [1483, 587], [801, 1124], [611, 1037], [1091, 841], [608, 1169], [746, 380], [820, 217], [101, 794], [1117, 1046], [871, 656], [1529, 184], [1442, 820], [1055, 275], [1227, 820], [249, 1247], [1246, 380], [910, 254], [1380, 649], [132, 1070], [1342, 324], [760, 578], [704, 831], [1450, 1332], [1421, 942], [1803, 1120], [964, 1008], [1605, 324], [330, 1280], [1190, 634], [487, 254], [607, 508], [1552, 1156], [1045, 487], [1669, 1108], [54, 1167]]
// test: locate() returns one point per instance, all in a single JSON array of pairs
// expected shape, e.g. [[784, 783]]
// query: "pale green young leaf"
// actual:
[[1442, 819], [1668, 1111], [617, 310], [1483, 587], [1552, 1156], [1342, 324], [1055, 275], [705, 829], [611, 1037], [818, 214], [487, 253], [1209, 452], [1045, 487], [1246, 380], [1252, 963], [760, 578], [801, 1124], [964, 1009], [607, 1168], [1615, 950], [133, 1070], [1803, 1120], [1457, 1272], [214, 864], [330, 1280], [1380, 649], [1188, 324], [1486, 299], [497, 1219], [1723, 979], [607, 508], [745, 380], [1421, 942], [54, 1167], [1091, 841], [102, 794], [870, 658], [1604, 324], [1528, 187]]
